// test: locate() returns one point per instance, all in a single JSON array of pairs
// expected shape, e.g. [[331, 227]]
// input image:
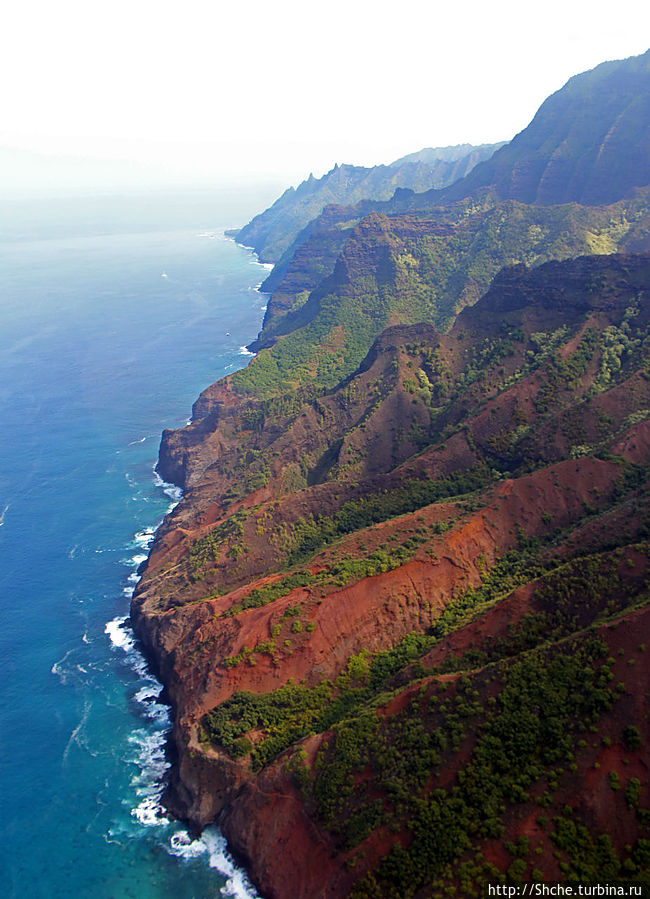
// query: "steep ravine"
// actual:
[[527, 445], [401, 611]]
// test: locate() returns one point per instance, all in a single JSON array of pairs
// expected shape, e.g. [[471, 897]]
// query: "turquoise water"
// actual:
[[114, 314]]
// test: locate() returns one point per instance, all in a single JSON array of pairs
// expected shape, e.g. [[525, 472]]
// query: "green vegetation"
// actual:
[[338, 574], [260, 596], [284, 716], [204, 552], [294, 711], [564, 374], [309, 535], [632, 738], [429, 275], [575, 594], [538, 706], [570, 596]]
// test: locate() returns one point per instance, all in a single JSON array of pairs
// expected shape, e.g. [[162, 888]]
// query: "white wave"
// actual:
[[148, 782], [149, 691], [147, 753], [131, 583], [121, 637], [136, 560], [171, 490], [148, 696], [85, 639], [263, 308], [144, 538], [152, 765], [244, 352], [267, 265], [138, 663], [183, 846], [164, 275], [237, 885], [213, 844], [146, 746], [2, 515], [73, 552], [150, 813]]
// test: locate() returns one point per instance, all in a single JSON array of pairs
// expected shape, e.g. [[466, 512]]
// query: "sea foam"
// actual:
[[146, 750], [147, 783], [171, 490], [147, 745], [121, 637], [213, 844]]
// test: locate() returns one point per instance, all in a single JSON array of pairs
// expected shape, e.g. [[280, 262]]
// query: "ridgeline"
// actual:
[[401, 611]]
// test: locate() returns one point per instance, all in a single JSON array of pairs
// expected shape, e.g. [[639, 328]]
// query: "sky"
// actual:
[[150, 90]]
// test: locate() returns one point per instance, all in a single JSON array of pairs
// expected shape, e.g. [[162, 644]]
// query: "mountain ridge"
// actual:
[[273, 231], [420, 563], [588, 143], [399, 609]]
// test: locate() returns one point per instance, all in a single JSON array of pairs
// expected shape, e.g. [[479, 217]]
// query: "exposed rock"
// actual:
[[550, 364]]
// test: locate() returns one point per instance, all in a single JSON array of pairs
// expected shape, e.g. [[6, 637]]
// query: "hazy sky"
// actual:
[[231, 89]]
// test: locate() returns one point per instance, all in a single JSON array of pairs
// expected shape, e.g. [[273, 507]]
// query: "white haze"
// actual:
[[151, 92]]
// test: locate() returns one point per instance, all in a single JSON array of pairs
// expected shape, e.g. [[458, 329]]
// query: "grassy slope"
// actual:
[[488, 732], [407, 270]]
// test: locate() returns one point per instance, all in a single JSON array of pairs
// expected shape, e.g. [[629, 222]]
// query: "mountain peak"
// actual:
[[589, 142]]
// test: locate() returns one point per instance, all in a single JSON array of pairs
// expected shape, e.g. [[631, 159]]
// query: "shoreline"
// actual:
[[235, 867]]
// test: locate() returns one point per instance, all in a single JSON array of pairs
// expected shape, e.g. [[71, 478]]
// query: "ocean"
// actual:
[[115, 312]]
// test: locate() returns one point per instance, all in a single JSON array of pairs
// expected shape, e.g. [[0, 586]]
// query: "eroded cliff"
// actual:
[[361, 590]]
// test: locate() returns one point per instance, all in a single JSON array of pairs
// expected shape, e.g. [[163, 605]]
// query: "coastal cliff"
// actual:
[[400, 610], [459, 470]]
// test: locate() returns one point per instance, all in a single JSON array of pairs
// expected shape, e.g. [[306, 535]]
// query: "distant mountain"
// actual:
[[275, 229], [407, 269], [588, 143], [466, 154], [401, 608], [589, 140]]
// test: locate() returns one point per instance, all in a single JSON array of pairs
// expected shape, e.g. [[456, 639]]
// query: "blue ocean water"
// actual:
[[114, 314]]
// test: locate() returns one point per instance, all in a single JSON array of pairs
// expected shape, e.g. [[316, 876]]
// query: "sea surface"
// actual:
[[115, 312]]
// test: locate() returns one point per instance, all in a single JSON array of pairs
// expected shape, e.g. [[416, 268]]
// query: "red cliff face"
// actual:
[[445, 490], [267, 825]]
